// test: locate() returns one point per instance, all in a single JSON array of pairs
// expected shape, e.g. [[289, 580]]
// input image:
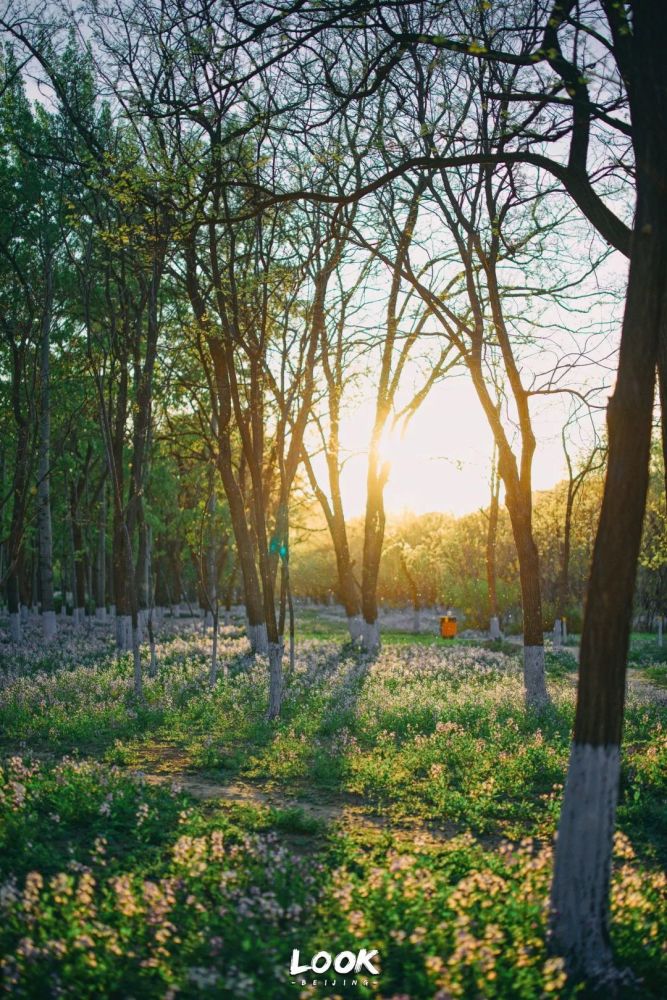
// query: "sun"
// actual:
[[441, 462]]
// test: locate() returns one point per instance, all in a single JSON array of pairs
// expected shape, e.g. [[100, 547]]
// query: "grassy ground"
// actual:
[[183, 846]]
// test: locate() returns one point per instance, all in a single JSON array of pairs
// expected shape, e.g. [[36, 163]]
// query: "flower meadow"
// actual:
[[405, 804]]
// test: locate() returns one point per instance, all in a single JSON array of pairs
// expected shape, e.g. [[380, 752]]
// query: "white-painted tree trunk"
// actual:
[[213, 676], [371, 636], [124, 633], [275, 651], [558, 634], [355, 626], [136, 657], [494, 628], [15, 627], [25, 613], [141, 624], [259, 640], [534, 677], [79, 616], [49, 625], [152, 669], [112, 611], [564, 622], [416, 621], [580, 887], [101, 614]]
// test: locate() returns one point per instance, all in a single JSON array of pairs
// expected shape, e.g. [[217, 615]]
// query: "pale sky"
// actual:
[[442, 462]]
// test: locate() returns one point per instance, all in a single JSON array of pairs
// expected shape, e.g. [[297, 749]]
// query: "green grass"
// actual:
[[645, 651], [405, 803], [657, 675]]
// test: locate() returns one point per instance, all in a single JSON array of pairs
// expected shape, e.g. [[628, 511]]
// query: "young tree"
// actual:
[[491, 543], [577, 476]]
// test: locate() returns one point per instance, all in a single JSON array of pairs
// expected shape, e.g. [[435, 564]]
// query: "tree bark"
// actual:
[[14, 607], [251, 589], [211, 562], [519, 507], [348, 589], [15, 541], [374, 525], [101, 561], [491, 541], [78, 551], [579, 913], [44, 466]]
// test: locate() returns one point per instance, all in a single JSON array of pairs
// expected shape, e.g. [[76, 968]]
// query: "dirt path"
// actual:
[[245, 793], [344, 810]]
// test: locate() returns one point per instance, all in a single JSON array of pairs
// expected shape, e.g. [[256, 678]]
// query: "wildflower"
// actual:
[[105, 808], [554, 974], [125, 898], [142, 813]]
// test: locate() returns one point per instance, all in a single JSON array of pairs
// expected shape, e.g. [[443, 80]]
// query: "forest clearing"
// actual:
[[333, 520], [184, 846]]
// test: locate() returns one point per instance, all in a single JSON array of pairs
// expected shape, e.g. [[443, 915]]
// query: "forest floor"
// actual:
[[183, 846]]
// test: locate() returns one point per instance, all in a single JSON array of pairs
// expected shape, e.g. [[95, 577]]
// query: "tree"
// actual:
[[21, 273], [629, 94], [577, 476], [491, 544]]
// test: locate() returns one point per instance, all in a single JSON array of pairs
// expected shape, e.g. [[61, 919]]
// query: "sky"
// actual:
[[442, 462]]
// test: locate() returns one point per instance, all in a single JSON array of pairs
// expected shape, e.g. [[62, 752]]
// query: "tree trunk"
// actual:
[[78, 554], [152, 669], [44, 469], [564, 575], [13, 606], [374, 525], [580, 889], [121, 588], [15, 541], [151, 617], [256, 628], [579, 914], [211, 563], [347, 585], [141, 572], [115, 462], [491, 541], [101, 562], [213, 676], [333, 510], [229, 590], [24, 590], [275, 678], [531, 600]]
